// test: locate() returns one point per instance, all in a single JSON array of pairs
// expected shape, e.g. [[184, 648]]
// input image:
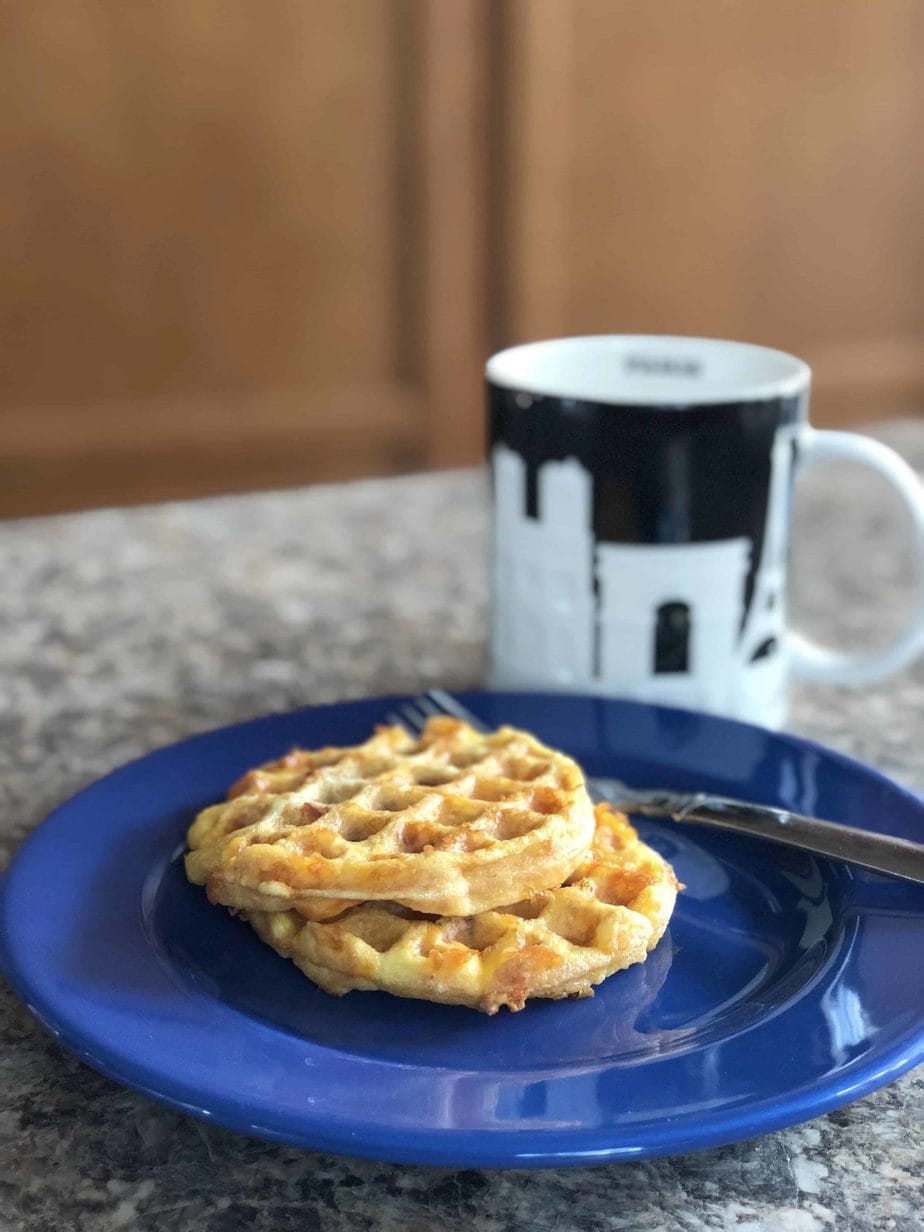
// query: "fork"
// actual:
[[880, 853]]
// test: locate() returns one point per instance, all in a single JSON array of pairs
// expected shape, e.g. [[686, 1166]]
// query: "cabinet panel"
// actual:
[[735, 169], [197, 195], [200, 206]]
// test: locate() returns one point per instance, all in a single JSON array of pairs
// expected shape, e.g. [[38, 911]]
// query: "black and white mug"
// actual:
[[642, 496]]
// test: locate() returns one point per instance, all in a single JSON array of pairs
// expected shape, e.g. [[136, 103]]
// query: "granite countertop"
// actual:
[[125, 630]]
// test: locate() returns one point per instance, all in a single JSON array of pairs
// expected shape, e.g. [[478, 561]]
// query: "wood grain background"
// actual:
[[267, 243]]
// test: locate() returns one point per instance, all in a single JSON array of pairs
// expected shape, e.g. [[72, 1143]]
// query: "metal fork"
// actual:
[[896, 857]]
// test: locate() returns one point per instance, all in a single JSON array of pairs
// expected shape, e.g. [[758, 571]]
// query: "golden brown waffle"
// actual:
[[557, 943], [452, 823]]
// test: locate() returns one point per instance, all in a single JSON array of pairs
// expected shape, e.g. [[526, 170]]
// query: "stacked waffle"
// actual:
[[458, 867]]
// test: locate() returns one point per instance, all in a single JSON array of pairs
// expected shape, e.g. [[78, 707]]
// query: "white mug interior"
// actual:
[[648, 370]]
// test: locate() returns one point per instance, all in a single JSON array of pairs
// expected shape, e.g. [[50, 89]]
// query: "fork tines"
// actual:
[[413, 715]]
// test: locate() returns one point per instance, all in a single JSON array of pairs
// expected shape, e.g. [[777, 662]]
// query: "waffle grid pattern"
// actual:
[[608, 915], [455, 822]]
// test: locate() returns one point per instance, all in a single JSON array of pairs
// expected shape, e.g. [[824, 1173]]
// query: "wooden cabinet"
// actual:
[[733, 169], [222, 228], [267, 244]]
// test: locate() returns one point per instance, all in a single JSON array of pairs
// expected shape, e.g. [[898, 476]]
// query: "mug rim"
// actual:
[[777, 373]]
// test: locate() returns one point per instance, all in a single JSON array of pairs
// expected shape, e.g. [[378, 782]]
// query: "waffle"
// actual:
[[452, 823], [557, 943]]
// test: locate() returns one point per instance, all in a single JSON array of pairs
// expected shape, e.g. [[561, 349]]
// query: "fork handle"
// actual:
[[880, 853]]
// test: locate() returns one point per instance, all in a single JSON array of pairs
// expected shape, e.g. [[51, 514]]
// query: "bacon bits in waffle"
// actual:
[[451, 823], [610, 912]]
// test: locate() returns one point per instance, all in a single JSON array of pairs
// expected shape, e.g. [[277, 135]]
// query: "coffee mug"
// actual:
[[642, 500]]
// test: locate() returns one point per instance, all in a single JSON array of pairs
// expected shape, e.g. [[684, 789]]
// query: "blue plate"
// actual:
[[787, 985]]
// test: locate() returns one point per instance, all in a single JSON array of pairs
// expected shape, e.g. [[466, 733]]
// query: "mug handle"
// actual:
[[818, 663]]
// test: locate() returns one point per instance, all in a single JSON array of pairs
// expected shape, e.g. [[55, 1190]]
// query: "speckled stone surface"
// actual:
[[125, 630]]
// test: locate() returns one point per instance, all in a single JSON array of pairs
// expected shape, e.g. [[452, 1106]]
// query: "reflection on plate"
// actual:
[[772, 997]]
